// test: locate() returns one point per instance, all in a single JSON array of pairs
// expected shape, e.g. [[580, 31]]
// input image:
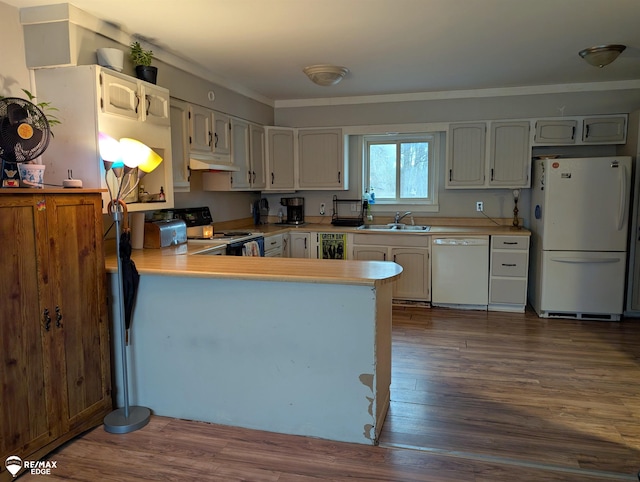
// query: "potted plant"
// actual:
[[142, 60]]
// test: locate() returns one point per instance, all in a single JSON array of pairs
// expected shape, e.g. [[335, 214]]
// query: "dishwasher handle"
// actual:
[[483, 241]]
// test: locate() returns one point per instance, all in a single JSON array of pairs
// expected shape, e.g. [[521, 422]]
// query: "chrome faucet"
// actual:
[[398, 217]]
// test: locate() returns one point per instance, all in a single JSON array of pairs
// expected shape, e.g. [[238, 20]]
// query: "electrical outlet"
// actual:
[[321, 209], [479, 206]]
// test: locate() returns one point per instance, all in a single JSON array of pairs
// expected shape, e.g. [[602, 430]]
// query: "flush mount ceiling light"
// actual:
[[325, 75], [602, 54]]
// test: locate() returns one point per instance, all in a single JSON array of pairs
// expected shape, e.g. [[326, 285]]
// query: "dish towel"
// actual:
[[251, 248]]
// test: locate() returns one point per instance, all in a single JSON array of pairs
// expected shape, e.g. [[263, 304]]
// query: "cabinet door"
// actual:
[[299, 244], [370, 253], [78, 306], [604, 130], [156, 105], [26, 412], [240, 148], [321, 160], [466, 157], [256, 138], [180, 144], [280, 159], [510, 154], [221, 134], [414, 284], [200, 130], [119, 96], [553, 132]]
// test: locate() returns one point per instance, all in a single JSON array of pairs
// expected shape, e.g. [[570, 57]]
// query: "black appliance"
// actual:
[[295, 209]]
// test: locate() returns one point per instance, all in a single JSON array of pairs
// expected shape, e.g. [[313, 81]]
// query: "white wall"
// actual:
[[14, 74]]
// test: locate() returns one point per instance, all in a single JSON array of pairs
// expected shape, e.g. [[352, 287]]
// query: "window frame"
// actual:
[[429, 204]]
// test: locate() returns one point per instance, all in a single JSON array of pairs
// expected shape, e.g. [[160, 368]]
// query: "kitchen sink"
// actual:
[[394, 227]]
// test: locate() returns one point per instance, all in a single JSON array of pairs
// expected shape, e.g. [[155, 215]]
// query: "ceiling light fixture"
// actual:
[[602, 54], [325, 75]]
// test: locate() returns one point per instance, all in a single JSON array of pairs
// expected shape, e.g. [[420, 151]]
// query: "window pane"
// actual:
[[382, 169], [414, 170]]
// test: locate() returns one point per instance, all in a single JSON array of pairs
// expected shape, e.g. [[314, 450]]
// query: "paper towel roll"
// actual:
[[136, 220]]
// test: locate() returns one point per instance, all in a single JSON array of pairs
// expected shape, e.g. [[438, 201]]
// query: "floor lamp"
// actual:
[[125, 160]]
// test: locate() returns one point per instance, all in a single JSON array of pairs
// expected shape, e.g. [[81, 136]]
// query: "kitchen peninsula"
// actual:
[[298, 346]]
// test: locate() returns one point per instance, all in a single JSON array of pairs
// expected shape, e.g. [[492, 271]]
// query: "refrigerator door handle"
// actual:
[[586, 260], [623, 197]]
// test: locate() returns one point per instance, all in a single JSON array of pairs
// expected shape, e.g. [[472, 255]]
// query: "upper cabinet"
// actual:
[[95, 100], [209, 135], [606, 129], [280, 158], [179, 113], [496, 157], [321, 161]]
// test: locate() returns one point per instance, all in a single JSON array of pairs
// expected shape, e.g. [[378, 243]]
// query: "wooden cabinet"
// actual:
[[54, 325], [321, 161], [605, 130], [466, 155], [508, 273], [581, 130], [96, 100], [409, 251], [280, 158], [510, 155], [179, 144], [505, 153], [300, 245]]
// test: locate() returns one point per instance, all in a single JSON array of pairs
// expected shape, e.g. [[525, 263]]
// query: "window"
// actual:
[[400, 169]]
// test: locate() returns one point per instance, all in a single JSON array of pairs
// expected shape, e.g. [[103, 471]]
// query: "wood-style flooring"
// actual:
[[476, 396]]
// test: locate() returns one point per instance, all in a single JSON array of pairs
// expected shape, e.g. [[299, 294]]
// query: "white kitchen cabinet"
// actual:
[[321, 161], [466, 155], [300, 245], [94, 100], [274, 246], [280, 158], [409, 251], [209, 135], [556, 131], [221, 134], [476, 159], [256, 157], [605, 130], [240, 148], [508, 273], [179, 113], [510, 154]]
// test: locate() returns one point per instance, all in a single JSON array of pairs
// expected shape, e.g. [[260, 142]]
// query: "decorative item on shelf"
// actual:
[[111, 58], [516, 196], [602, 55], [325, 75], [142, 61], [125, 159]]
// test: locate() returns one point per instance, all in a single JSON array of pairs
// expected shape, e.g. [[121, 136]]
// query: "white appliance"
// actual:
[[579, 213], [460, 272]]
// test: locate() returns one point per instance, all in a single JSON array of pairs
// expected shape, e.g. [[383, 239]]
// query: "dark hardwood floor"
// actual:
[[476, 396]]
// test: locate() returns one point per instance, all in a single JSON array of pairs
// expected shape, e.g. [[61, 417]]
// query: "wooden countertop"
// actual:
[[175, 261]]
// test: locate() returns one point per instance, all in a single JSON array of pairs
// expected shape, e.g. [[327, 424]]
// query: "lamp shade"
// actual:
[[325, 75], [133, 151], [602, 54], [109, 151]]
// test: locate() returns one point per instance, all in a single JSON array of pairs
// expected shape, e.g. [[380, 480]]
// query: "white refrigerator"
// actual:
[[579, 218]]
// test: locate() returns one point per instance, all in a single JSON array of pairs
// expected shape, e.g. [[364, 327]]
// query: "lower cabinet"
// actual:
[[300, 245], [508, 273], [409, 251], [54, 336], [274, 246]]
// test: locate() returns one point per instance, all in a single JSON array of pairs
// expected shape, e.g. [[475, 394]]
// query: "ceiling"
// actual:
[[389, 46]]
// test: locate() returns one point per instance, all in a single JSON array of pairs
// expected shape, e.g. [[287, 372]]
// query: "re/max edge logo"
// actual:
[[36, 467]]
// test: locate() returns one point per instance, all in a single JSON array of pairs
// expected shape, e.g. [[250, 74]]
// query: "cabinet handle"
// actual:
[[573, 132], [510, 242], [137, 103], [47, 319], [215, 135], [450, 174], [58, 317], [586, 131], [148, 105], [249, 176], [394, 258], [509, 265], [492, 174], [254, 176], [384, 256], [210, 138], [272, 178], [339, 177]]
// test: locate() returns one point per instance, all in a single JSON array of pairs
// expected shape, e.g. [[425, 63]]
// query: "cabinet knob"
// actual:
[[46, 319], [58, 317], [215, 136]]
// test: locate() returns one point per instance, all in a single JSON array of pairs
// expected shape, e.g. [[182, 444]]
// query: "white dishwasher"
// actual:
[[460, 271]]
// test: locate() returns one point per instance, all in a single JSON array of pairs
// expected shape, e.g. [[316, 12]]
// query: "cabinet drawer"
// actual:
[[508, 291], [273, 242], [509, 242], [509, 264]]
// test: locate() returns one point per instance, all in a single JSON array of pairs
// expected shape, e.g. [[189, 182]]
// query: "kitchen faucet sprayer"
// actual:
[[398, 217]]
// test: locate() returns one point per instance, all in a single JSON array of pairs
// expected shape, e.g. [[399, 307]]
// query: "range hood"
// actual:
[[210, 165]]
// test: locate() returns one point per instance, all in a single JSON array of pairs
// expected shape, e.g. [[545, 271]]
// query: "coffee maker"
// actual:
[[295, 209]]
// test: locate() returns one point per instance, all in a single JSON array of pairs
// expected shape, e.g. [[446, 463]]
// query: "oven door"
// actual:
[[236, 249]]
